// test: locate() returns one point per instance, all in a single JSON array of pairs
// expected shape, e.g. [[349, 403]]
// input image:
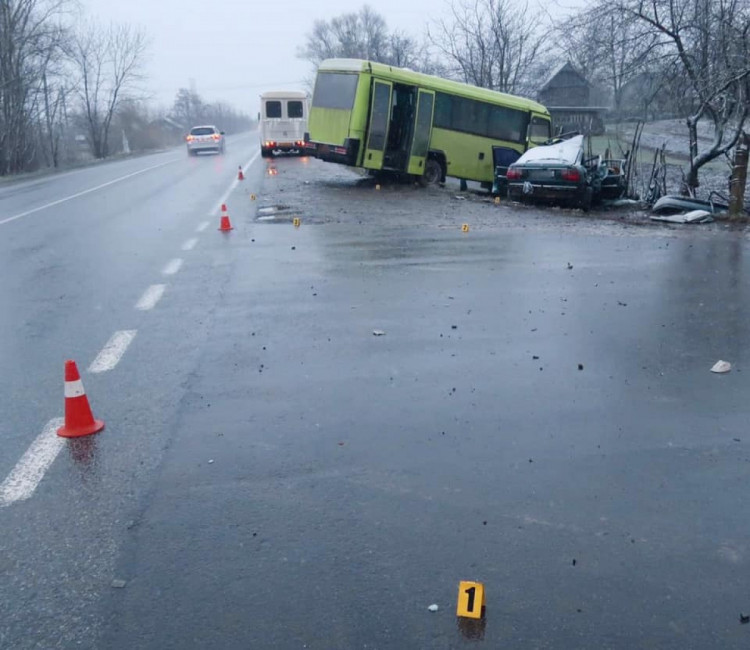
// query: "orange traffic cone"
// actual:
[[226, 225], [240, 175], [79, 421]]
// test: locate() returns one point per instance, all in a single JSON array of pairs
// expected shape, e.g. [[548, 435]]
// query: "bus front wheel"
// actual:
[[433, 173]]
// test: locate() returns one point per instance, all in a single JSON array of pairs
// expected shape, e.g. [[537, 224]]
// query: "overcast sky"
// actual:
[[233, 49]]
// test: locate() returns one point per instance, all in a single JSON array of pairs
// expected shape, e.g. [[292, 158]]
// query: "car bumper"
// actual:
[[529, 191], [205, 146]]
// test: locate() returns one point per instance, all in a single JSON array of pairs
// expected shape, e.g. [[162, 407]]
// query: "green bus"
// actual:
[[375, 116]]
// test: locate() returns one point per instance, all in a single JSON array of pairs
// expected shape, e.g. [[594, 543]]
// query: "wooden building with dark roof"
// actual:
[[573, 101]]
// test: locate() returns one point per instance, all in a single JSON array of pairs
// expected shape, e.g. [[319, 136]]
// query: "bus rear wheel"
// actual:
[[433, 173]]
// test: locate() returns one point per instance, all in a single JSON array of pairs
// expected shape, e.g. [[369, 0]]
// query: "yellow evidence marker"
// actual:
[[465, 228], [252, 197], [470, 599], [377, 187], [497, 200], [296, 222]]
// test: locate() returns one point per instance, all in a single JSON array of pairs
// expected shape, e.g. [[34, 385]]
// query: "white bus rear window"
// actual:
[[273, 109]]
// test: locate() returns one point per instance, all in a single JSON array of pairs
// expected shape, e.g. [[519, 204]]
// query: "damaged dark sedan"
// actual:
[[559, 173]]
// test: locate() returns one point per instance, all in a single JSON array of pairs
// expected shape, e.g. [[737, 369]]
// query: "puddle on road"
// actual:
[[278, 214]]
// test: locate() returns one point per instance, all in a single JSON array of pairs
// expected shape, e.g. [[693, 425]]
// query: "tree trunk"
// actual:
[[739, 177], [691, 182]]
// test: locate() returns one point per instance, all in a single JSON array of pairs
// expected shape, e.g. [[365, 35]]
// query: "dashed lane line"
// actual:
[[150, 297], [29, 471], [172, 266], [233, 185], [23, 480], [113, 351]]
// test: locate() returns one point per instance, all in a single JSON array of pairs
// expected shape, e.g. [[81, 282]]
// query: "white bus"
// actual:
[[282, 122]]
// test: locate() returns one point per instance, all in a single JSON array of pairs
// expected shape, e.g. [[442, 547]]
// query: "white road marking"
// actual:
[[233, 185], [112, 352], [150, 297], [29, 471], [172, 266], [190, 244], [84, 192], [203, 226]]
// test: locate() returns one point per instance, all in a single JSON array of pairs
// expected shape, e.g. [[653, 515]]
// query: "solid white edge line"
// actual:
[[233, 185], [84, 192], [172, 266], [150, 297], [190, 244], [113, 351], [29, 471]]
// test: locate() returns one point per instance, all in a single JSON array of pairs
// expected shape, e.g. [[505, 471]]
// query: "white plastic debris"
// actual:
[[433, 607], [210, 462], [118, 583], [721, 366], [694, 216], [378, 333]]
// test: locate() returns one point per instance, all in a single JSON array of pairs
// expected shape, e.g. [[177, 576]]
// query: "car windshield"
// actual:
[[202, 130]]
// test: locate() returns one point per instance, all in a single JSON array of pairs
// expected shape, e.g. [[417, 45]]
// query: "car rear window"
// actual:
[[202, 130], [273, 109]]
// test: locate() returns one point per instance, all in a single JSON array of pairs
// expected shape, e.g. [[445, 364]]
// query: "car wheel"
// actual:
[[433, 173]]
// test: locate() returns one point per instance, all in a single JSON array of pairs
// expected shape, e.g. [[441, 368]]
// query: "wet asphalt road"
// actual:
[[273, 475]]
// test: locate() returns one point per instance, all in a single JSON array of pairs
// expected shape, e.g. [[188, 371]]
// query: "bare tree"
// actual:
[[30, 39], [609, 46], [361, 35], [708, 41], [490, 43], [109, 64], [54, 122], [364, 35], [404, 51], [189, 109]]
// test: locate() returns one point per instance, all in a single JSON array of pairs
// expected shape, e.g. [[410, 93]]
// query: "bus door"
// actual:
[[422, 130], [380, 117]]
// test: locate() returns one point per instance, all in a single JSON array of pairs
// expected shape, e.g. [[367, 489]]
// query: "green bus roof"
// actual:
[[432, 83]]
